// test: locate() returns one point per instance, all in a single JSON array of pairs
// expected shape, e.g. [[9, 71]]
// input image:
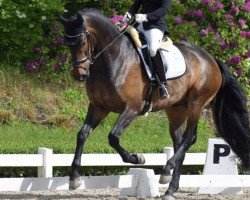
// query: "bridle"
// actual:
[[90, 57], [81, 31]]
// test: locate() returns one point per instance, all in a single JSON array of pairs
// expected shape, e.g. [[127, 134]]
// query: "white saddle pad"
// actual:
[[174, 62]]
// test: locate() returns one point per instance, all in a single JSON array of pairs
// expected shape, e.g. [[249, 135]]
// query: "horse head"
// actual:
[[80, 43]]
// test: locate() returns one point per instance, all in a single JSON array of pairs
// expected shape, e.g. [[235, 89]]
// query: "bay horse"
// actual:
[[116, 82]]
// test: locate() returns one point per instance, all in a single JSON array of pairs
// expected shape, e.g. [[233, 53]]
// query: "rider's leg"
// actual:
[[160, 75], [154, 37]]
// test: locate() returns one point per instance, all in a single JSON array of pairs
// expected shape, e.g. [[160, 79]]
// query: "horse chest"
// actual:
[[104, 95]]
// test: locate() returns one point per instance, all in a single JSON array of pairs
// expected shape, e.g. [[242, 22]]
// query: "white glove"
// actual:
[[139, 18], [126, 17]]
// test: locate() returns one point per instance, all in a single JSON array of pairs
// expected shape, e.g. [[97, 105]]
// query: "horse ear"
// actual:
[[80, 18], [63, 20]]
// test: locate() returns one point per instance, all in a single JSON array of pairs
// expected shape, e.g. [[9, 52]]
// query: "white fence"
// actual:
[[45, 160]]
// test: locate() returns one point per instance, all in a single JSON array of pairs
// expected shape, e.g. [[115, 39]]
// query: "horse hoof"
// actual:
[[164, 179], [139, 159], [168, 197], [75, 183]]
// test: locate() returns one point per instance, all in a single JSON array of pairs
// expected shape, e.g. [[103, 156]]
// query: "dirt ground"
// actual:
[[113, 194]]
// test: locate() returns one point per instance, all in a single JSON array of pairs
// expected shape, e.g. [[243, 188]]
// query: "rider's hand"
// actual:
[[139, 18], [126, 17]]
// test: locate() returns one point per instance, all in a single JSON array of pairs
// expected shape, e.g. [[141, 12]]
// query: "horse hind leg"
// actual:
[[189, 138], [176, 117], [121, 124]]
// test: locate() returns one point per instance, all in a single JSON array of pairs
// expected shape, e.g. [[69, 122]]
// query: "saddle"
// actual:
[[173, 61]]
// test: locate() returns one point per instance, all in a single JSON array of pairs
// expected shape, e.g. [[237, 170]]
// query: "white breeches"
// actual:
[[154, 38]]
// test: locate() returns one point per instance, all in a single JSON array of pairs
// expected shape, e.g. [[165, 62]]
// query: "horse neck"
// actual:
[[105, 33], [103, 29]]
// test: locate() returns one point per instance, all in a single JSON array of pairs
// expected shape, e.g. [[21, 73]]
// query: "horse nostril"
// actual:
[[82, 78]]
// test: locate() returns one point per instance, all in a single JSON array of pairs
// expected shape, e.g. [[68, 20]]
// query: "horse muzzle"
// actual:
[[80, 73]]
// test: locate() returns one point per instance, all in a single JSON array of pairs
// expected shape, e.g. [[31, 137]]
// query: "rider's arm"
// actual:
[[135, 7], [160, 12]]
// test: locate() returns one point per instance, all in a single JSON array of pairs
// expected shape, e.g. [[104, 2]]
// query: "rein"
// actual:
[[90, 56]]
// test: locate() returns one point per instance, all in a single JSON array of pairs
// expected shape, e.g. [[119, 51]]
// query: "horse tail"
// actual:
[[231, 115]]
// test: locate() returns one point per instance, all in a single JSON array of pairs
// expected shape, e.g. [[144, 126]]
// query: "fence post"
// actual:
[[46, 170]]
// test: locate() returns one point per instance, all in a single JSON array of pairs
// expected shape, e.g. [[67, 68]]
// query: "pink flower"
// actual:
[[42, 62], [246, 7], [235, 9], [116, 19], [239, 72], [196, 13], [212, 8], [178, 20], [58, 41], [247, 55], [231, 24], [228, 16], [219, 5], [209, 28], [242, 22], [62, 58], [223, 44], [216, 36], [245, 34], [233, 44], [203, 33], [235, 60]]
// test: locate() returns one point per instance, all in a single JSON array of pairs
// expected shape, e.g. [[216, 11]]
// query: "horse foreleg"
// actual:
[[121, 124], [93, 118]]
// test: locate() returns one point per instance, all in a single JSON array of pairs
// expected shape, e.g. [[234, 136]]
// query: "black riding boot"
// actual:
[[160, 75]]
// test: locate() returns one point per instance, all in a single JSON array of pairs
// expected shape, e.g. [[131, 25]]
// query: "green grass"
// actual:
[[35, 113], [146, 134]]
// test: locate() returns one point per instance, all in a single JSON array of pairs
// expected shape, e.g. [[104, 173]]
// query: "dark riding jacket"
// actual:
[[155, 11]]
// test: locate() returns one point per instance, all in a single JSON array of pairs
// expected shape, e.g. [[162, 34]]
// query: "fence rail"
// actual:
[[45, 160]]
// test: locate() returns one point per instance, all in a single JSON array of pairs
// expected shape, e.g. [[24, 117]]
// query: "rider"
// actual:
[[152, 24]]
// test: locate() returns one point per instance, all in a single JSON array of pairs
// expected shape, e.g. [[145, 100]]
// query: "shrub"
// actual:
[[31, 36], [6, 116], [109, 7], [49, 60], [220, 27], [23, 25]]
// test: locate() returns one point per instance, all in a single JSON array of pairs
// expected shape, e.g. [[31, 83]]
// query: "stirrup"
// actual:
[[163, 91]]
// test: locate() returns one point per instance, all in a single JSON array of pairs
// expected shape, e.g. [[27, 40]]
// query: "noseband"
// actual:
[[79, 32]]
